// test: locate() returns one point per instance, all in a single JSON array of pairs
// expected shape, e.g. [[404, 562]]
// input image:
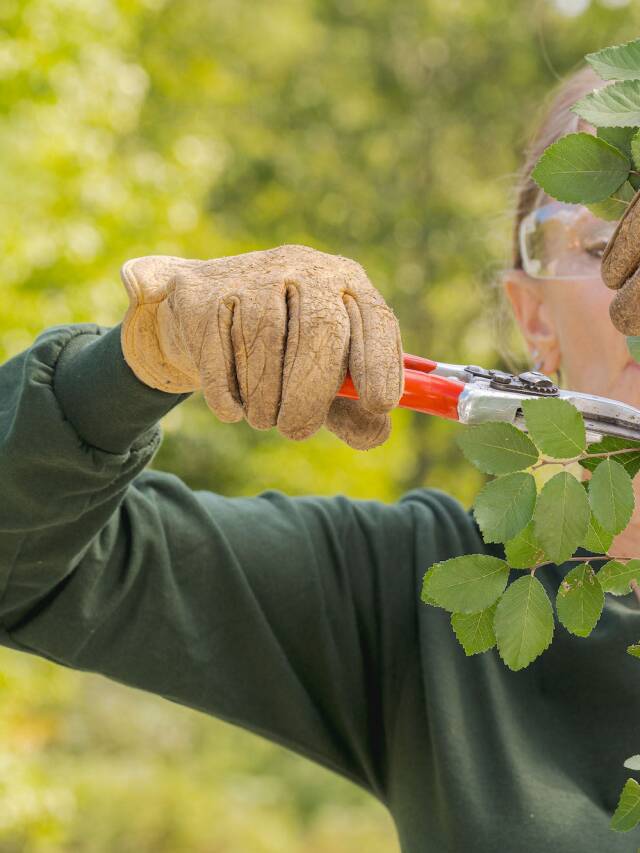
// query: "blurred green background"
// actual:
[[389, 131]]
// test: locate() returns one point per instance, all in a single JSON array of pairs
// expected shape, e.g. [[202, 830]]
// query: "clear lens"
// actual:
[[563, 241]]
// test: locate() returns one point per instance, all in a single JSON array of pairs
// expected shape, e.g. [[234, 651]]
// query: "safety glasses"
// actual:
[[563, 242]]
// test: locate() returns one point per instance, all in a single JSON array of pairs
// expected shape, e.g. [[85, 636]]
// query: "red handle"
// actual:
[[431, 395]]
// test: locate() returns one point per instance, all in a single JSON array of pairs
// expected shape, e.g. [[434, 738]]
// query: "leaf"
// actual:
[[613, 208], [597, 539], [504, 506], [630, 461], [635, 149], [620, 62], [556, 427], [619, 137], [581, 168], [634, 180], [468, 583], [627, 814], [475, 630], [617, 105], [523, 622], [561, 516], [580, 600], [634, 650], [632, 763], [611, 495], [633, 345], [615, 577], [497, 447], [523, 552], [425, 594]]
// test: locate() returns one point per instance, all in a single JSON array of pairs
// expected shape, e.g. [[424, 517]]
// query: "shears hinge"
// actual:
[[529, 382]]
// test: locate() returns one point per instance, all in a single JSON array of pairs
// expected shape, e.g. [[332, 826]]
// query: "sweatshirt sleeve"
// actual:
[[295, 618]]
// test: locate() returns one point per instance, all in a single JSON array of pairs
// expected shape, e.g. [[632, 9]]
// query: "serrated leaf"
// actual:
[[523, 622], [425, 595], [613, 208], [617, 105], [580, 600], [523, 551], [475, 630], [468, 583], [635, 149], [619, 62], [627, 814], [504, 506], [634, 650], [619, 137], [581, 168], [611, 495], [597, 539], [555, 426], [561, 516], [632, 763], [497, 447], [633, 345], [609, 443], [615, 577]]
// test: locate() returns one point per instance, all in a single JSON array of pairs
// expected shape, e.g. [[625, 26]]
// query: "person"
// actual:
[[300, 618]]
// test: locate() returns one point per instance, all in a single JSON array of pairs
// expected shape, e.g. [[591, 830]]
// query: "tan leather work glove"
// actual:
[[268, 336], [621, 270]]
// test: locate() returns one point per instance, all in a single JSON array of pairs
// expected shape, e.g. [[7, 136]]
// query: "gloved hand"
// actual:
[[621, 270], [267, 336]]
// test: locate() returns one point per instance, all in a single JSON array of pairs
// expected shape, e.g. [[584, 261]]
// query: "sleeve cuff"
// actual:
[[102, 398]]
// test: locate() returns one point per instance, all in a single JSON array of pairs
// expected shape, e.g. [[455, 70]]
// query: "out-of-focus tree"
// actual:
[[386, 131]]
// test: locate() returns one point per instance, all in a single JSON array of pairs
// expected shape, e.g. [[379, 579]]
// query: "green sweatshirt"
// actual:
[[298, 618]]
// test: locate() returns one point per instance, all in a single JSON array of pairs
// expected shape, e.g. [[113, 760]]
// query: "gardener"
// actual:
[[300, 618]]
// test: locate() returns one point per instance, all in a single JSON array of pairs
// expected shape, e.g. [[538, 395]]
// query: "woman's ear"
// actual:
[[533, 311]]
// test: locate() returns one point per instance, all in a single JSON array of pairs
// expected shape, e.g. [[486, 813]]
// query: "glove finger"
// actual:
[[259, 334], [315, 361], [217, 364], [359, 428], [621, 256], [624, 309], [375, 352]]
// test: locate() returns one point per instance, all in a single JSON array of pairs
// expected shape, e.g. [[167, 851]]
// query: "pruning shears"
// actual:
[[473, 395]]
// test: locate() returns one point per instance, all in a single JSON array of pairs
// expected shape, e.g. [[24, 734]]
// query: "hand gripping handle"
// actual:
[[423, 391]]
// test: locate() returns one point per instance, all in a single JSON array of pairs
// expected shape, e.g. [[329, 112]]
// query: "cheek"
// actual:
[[592, 351]]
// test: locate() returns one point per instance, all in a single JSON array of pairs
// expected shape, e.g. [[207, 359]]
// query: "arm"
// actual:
[[277, 614]]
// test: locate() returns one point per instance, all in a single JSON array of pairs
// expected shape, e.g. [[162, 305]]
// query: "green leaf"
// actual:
[[613, 208], [425, 594], [581, 168], [523, 551], [632, 763], [627, 814], [634, 180], [475, 630], [615, 577], [635, 149], [580, 600], [609, 443], [619, 137], [617, 105], [611, 495], [556, 427], [497, 447], [504, 506], [597, 539], [634, 650], [523, 622], [468, 583], [561, 516], [620, 62], [633, 345]]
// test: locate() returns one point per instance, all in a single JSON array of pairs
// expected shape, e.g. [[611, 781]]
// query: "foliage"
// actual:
[[490, 608]]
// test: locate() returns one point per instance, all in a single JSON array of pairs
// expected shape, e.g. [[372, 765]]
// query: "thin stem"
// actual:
[[583, 456], [636, 589], [582, 560]]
